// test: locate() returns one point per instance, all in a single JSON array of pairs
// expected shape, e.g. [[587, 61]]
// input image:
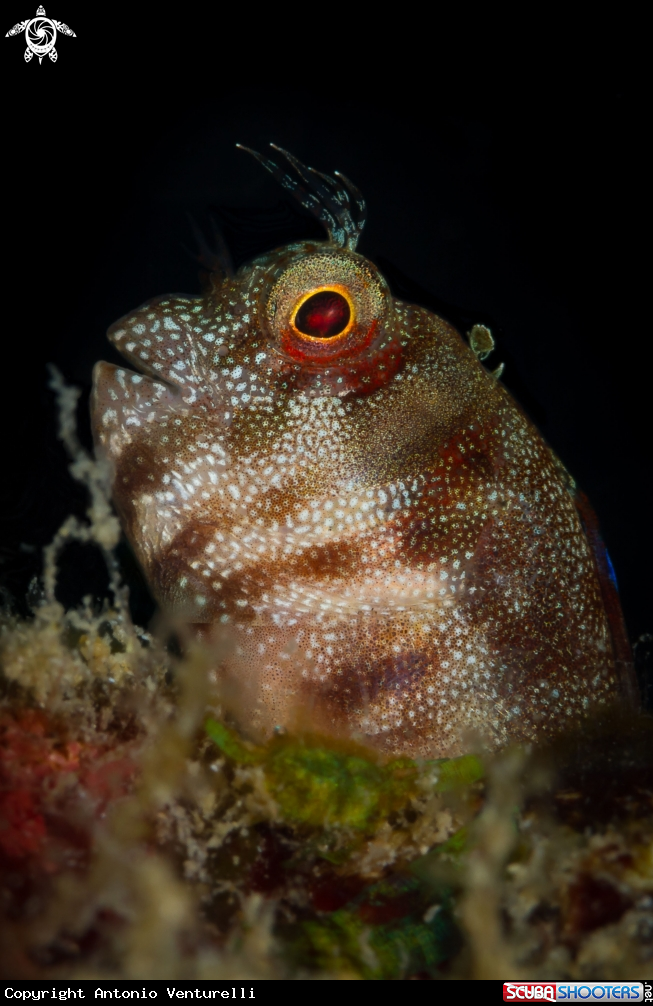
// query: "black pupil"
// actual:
[[323, 315]]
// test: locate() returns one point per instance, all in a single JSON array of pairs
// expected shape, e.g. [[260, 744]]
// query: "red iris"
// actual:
[[323, 315]]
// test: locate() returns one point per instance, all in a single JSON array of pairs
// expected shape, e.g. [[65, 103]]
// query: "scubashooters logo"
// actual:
[[40, 35], [572, 991]]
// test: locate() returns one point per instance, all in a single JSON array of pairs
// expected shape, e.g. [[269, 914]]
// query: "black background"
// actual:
[[504, 183]]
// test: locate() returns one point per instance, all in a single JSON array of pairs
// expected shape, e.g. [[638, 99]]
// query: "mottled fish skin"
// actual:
[[396, 549]]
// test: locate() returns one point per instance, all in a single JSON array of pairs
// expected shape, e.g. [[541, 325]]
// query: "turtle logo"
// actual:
[[40, 35]]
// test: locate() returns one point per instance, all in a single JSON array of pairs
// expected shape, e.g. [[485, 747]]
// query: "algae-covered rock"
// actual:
[[119, 767], [141, 838]]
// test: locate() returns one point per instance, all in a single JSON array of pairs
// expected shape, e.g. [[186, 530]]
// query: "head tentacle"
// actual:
[[336, 202]]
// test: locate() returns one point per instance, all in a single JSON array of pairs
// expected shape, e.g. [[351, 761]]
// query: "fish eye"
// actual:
[[323, 313], [326, 307]]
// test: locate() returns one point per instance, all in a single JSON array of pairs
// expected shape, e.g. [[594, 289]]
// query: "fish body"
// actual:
[[332, 476]]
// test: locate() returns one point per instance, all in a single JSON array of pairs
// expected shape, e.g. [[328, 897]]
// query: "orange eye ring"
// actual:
[[321, 340]]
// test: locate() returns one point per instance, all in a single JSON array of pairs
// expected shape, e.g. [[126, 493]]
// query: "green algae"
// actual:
[[392, 931], [457, 773], [317, 783], [231, 745]]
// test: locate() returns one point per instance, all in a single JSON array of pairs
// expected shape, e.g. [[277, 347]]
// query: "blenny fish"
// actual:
[[333, 477]]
